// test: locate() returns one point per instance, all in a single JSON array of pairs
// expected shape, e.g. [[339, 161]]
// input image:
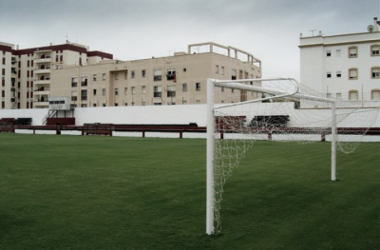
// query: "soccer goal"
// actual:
[[240, 112]]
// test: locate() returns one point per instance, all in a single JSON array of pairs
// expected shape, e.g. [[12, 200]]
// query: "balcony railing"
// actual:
[[43, 88], [43, 60], [41, 92], [40, 104], [42, 71], [41, 82]]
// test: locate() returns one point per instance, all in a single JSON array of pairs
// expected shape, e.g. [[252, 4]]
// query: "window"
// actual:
[[116, 76], [133, 74], [184, 87], [375, 95], [328, 53], [353, 52], [170, 74], [375, 50], [126, 74], [116, 91], [104, 76], [157, 75], [157, 91], [133, 90], [217, 69], [338, 52], [143, 73], [143, 103], [74, 81], [339, 96], [222, 70], [328, 95], [125, 91], [94, 77], [328, 74], [233, 74], [184, 102], [353, 74], [375, 72], [83, 94], [171, 91], [197, 86], [353, 95], [104, 92], [338, 74], [143, 89], [94, 92], [84, 81]]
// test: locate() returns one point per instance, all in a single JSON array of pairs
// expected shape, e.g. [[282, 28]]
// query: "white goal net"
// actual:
[[241, 112]]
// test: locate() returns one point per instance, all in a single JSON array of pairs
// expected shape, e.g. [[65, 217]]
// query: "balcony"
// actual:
[[43, 60], [41, 91], [40, 104], [42, 82], [42, 71]]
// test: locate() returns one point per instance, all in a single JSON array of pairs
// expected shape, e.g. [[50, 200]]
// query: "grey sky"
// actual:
[[269, 29]]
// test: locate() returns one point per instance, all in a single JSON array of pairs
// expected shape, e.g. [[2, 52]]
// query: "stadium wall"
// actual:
[[179, 114]]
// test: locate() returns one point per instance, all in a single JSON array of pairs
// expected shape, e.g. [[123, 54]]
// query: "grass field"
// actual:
[[76, 192]]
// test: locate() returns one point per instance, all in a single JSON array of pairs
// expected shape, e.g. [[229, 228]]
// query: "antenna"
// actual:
[[312, 32], [67, 37]]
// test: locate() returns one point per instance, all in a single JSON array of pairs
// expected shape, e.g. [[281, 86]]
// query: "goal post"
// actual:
[[265, 94]]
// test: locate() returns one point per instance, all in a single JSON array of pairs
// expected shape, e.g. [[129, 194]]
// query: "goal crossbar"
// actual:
[[293, 95]]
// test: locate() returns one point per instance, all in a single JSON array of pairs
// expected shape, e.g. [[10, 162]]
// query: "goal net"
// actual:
[[241, 112]]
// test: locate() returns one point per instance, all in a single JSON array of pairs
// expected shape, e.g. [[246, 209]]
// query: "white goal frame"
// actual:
[[238, 84]]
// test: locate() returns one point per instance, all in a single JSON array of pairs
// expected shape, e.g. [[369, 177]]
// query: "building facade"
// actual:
[[345, 67], [173, 80], [26, 73]]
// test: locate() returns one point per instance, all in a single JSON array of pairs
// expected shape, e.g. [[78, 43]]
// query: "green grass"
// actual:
[[76, 192]]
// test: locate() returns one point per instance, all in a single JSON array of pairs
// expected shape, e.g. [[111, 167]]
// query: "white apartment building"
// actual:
[[173, 80], [345, 67], [25, 73]]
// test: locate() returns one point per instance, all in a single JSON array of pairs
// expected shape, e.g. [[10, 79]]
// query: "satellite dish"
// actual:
[[370, 28]]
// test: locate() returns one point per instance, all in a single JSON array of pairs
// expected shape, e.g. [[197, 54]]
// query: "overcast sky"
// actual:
[[138, 29]]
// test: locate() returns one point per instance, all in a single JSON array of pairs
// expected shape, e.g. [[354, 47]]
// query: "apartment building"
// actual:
[[26, 73], [173, 80], [345, 67]]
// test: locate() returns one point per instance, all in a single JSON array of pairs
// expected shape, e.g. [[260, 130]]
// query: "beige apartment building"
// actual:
[[26, 73], [173, 80]]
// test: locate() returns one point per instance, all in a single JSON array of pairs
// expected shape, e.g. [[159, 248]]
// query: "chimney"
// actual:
[[375, 24]]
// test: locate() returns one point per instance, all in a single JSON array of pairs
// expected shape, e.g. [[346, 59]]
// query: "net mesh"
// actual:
[[299, 117]]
